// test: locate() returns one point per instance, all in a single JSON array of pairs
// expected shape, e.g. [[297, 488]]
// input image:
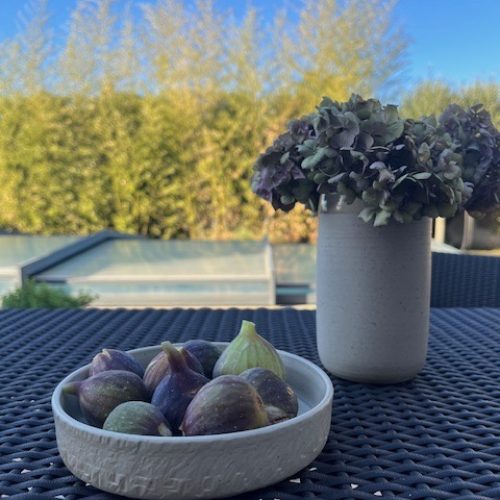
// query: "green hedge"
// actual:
[[33, 295]]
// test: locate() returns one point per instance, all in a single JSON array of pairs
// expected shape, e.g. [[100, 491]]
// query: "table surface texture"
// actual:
[[437, 436]]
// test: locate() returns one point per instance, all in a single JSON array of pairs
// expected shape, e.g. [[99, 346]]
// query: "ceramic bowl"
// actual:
[[191, 467]]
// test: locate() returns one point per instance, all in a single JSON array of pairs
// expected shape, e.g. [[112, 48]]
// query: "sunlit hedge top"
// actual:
[[402, 169]]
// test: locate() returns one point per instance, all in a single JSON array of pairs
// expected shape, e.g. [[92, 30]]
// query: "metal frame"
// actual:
[[266, 278], [37, 265]]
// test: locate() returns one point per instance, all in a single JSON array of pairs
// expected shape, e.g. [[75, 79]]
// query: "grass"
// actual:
[[39, 295]]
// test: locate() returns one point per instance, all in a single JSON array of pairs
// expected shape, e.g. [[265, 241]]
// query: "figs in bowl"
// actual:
[[207, 466]]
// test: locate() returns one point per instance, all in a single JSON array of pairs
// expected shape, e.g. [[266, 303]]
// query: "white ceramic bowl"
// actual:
[[181, 468]]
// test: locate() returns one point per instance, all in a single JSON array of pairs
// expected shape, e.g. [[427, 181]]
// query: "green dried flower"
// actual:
[[478, 145], [402, 170]]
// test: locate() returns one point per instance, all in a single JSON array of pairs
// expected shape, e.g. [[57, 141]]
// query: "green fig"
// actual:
[[226, 404], [206, 353], [137, 417], [100, 394], [177, 389], [248, 350], [159, 367], [278, 397]]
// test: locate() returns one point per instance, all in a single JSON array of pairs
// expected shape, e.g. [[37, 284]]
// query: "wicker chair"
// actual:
[[465, 281]]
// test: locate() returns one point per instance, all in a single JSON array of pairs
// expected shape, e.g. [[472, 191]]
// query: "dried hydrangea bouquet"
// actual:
[[376, 181]]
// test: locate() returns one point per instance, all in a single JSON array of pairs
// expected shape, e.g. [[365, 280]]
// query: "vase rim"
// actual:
[[335, 203]]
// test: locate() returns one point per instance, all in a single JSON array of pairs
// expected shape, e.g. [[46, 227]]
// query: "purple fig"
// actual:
[[177, 389], [226, 404], [137, 417], [206, 352], [100, 394], [278, 397], [113, 359], [159, 367]]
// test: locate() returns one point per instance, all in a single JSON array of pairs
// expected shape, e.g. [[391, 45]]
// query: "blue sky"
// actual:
[[454, 40]]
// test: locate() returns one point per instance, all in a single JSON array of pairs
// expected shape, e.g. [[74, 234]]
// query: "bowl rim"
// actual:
[[61, 413]]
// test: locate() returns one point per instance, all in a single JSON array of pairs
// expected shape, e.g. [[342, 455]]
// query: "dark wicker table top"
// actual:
[[437, 436]]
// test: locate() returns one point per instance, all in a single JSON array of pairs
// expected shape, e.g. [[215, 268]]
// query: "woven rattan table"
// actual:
[[435, 437]]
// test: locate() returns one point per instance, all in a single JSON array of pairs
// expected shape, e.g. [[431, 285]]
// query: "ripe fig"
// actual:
[[113, 359], [159, 367], [177, 388], [206, 353], [248, 350], [226, 404], [100, 394], [137, 417], [278, 397]]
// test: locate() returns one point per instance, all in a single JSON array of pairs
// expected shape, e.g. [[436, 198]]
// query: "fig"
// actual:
[[100, 394], [177, 388], [159, 367], [248, 350], [206, 353], [278, 397], [226, 404], [137, 417], [113, 359]]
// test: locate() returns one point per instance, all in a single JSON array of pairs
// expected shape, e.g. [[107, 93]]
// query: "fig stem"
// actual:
[[248, 329], [72, 388], [163, 430], [175, 359]]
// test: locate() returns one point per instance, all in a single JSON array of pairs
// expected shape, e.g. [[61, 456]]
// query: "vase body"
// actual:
[[372, 295]]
